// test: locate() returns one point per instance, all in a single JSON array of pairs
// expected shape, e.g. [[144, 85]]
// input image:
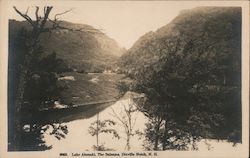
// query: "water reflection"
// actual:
[[79, 138]]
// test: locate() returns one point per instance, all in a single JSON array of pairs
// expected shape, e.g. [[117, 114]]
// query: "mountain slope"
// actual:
[[88, 50], [203, 27], [194, 62]]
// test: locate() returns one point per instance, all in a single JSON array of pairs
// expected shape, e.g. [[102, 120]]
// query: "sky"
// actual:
[[124, 21]]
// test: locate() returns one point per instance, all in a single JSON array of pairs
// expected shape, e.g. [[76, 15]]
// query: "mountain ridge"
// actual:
[[189, 25], [86, 49]]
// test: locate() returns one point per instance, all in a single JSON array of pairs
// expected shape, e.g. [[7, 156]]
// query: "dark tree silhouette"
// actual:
[[32, 74]]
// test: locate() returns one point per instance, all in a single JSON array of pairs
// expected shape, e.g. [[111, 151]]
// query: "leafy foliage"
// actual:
[[32, 138], [190, 73], [98, 127], [101, 148], [41, 88], [102, 127], [35, 84]]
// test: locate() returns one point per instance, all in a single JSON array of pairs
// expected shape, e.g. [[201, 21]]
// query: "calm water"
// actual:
[[79, 139]]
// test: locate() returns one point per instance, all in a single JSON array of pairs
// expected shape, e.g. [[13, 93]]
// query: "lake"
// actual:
[[79, 138]]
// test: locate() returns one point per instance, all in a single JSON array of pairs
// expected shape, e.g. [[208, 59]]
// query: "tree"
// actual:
[[32, 75], [41, 92], [191, 79], [32, 137], [99, 127], [127, 121], [178, 97], [38, 26]]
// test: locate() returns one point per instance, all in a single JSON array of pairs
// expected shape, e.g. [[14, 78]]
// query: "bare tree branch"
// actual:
[[59, 14], [56, 25], [126, 121], [135, 120], [44, 9], [46, 16], [37, 17], [27, 10], [25, 16], [116, 116]]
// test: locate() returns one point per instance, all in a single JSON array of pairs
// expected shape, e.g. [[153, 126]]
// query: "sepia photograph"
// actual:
[[125, 79]]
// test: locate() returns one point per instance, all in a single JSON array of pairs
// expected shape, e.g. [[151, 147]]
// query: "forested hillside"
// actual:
[[187, 74], [85, 50], [190, 70], [38, 56]]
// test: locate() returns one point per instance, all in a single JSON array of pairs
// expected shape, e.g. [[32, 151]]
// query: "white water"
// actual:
[[78, 138]]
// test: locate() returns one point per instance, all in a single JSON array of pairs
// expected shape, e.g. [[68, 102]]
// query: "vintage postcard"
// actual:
[[124, 79]]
